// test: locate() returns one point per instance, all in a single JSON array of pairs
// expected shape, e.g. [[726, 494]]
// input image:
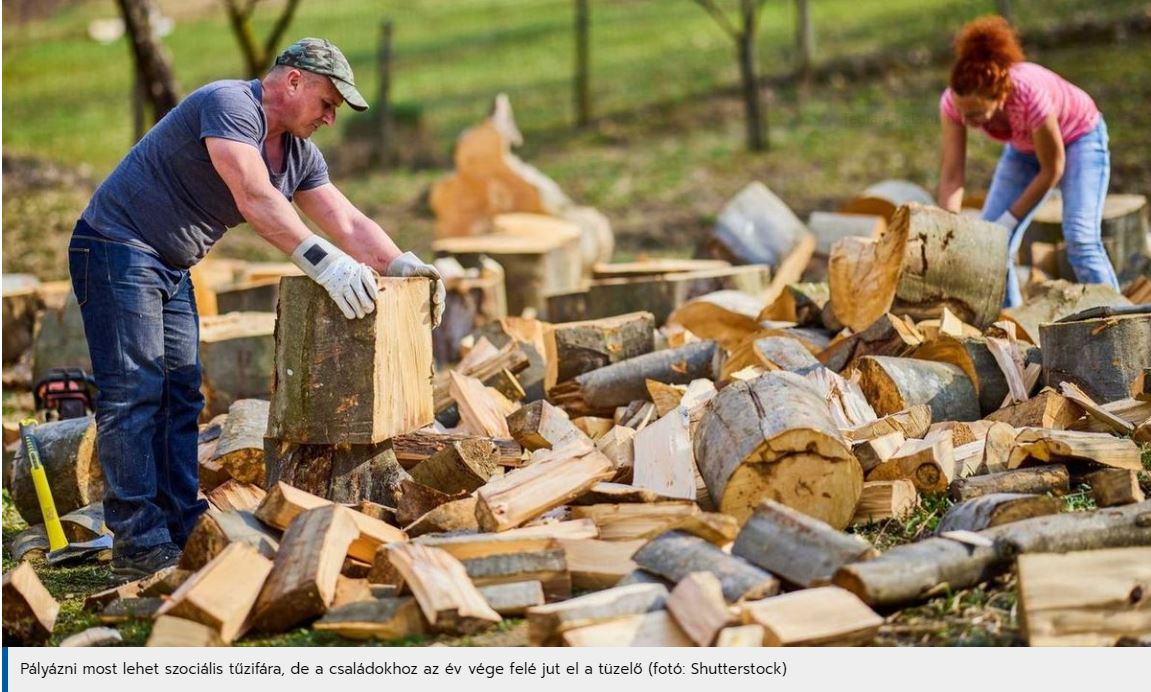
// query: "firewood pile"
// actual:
[[678, 466]]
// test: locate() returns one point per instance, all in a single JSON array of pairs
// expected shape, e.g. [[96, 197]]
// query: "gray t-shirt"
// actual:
[[167, 196]]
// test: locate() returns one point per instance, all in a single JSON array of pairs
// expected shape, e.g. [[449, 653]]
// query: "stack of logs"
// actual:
[[682, 479]]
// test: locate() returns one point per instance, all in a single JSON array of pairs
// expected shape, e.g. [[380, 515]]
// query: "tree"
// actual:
[[744, 37], [804, 40], [258, 57], [153, 67]]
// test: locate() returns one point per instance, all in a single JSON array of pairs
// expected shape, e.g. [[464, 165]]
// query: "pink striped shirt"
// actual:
[[1036, 93]]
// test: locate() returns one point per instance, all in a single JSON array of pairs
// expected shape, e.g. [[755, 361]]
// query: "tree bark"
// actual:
[[1102, 356], [68, 453], [151, 60]]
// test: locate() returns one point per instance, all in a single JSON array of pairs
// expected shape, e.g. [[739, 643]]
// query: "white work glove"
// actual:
[[1007, 220], [407, 265], [350, 283]]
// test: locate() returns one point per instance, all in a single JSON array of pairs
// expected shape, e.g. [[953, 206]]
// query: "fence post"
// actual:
[[582, 69], [384, 56]]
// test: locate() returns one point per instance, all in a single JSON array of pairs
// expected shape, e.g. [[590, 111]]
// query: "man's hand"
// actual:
[[1007, 220], [407, 265], [351, 284]]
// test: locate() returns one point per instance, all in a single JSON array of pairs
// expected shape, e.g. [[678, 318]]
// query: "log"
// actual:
[[351, 381], [994, 509], [895, 384], [771, 353], [539, 425], [1123, 229], [698, 606], [652, 629], [215, 530], [573, 348], [240, 450], [68, 454], [872, 453], [884, 197], [802, 551], [1102, 356], [445, 594], [340, 473], [169, 631], [526, 493], [926, 260], [624, 522], [596, 564], [664, 460], [913, 422], [513, 356], [461, 466], [547, 566], [801, 303], [755, 227], [232, 495], [675, 554], [29, 610], [412, 448], [1047, 409], [1050, 478], [1091, 598], [661, 295], [1069, 446], [887, 336], [927, 463], [1133, 411], [237, 353], [911, 572], [726, 317], [830, 227], [599, 392], [997, 445], [547, 623], [482, 410], [222, 593], [1115, 423], [475, 297], [284, 503], [380, 618], [1113, 487], [883, 500], [60, 341], [1054, 300], [824, 616], [653, 266], [972, 355], [457, 515], [514, 598], [302, 583], [748, 448], [22, 305]]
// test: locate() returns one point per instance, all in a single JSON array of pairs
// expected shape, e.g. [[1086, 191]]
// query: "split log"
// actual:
[[675, 554], [593, 426], [216, 530], [1133, 411], [698, 606], [884, 197], [827, 616], [1070, 445], [240, 449], [547, 623], [573, 348], [1113, 487], [740, 635], [125, 609], [599, 392], [623, 522], [169, 631], [514, 598], [1047, 409], [303, 579], [222, 593], [446, 596], [68, 453], [887, 336], [972, 355], [1080, 397], [526, 493], [482, 410], [237, 353], [918, 570], [755, 227], [663, 457], [379, 618], [461, 466], [994, 509], [340, 473], [232, 495], [596, 564], [928, 463], [771, 353], [1093, 598], [457, 515], [513, 357], [926, 260], [802, 551], [885, 500], [351, 381], [997, 445], [749, 448], [913, 422], [29, 610], [652, 629], [1050, 478], [284, 503], [661, 295], [895, 384], [726, 317], [412, 448], [539, 425], [546, 565], [801, 303], [1101, 355], [1054, 300]]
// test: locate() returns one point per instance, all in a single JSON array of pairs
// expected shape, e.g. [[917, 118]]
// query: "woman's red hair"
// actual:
[[985, 50]]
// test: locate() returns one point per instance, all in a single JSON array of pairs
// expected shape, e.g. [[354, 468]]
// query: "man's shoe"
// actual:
[[145, 562]]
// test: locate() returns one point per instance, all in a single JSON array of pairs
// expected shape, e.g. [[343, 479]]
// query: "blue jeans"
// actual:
[[143, 336], [1084, 186]]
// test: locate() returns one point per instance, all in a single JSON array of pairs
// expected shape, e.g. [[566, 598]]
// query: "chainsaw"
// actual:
[[65, 393]]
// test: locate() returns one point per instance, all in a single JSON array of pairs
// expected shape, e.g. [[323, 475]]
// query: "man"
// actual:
[[233, 151]]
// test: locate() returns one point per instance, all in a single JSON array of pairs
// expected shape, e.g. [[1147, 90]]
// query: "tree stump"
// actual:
[[1102, 356], [238, 353]]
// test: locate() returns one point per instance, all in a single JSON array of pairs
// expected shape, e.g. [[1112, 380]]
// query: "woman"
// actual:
[[1054, 135]]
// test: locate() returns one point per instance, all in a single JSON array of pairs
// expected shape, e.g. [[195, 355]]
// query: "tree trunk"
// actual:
[[804, 41], [749, 76], [341, 473], [151, 60], [582, 63]]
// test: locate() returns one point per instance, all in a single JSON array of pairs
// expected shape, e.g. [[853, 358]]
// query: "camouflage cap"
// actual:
[[322, 57]]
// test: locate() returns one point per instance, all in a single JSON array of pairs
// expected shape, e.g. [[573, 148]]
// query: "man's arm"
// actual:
[[358, 235], [953, 168]]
